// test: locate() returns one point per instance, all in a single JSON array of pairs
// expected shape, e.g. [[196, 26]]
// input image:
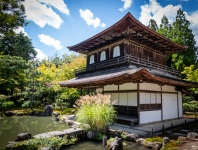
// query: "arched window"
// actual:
[[91, 59], [116, 51], [103, 56]]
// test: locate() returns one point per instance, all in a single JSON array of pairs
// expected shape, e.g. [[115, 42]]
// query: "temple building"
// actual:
[[127, 61]]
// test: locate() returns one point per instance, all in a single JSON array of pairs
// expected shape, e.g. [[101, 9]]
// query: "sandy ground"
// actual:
[[190, 145]]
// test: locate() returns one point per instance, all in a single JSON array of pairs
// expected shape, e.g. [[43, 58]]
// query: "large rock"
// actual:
[[157, 146], [165, 140], [116, 144], [149, 145], [192, 135], [140, 141], [92, 135], [48, 111], [10, 144], [9, 113], [132, 137], [23, 136]]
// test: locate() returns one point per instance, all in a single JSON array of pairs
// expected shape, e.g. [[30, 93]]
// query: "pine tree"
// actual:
[[182, 34], [165, 27], [153, 25]]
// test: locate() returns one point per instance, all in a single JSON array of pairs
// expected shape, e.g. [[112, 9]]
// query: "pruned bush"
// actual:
[[95, 110]]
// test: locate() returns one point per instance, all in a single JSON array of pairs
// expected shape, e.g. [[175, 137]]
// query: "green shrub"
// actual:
[[34, 144], [95, 110]]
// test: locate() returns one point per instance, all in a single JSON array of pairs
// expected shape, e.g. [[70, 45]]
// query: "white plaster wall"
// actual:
[[180, 104], [128, 86], [150, 98], [149, 86], [167, 88], [158, 95], [142, 98], [99, 90], [169, 106], [132, 99], [150, 116], [123, 99], [111, 88], [115, 98]]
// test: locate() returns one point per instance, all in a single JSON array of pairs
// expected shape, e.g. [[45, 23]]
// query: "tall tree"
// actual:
[[32, 91], [165, 27], [153, 25], [17, 45], [165, 30], [182, 34], [12, 16], [12, 75]]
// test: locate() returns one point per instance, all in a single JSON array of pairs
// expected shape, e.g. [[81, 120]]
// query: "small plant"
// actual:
[[34, 144], [95, 110]]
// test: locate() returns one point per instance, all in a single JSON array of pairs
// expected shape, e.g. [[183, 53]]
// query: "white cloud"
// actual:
[[194, 23], [155, 11], [88, 16], [21, 29], [127, 4], [42, 14], [40, 54], [47, 40], [58, 4]]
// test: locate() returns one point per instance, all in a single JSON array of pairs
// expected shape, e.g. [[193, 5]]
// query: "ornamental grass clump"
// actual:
[[95, 110]]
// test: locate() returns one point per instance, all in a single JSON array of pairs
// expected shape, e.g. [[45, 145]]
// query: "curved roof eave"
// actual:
[[116, 25]]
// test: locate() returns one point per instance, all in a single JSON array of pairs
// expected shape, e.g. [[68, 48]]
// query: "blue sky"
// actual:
[[55, 24]]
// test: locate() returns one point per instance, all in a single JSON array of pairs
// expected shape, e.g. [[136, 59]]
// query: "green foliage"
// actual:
[[12, 16], [153, 25], [154, 139], [34, 144], [18, 45], [95, 110], [30, 104], [182, 34], [178, 32], [60, 104], [187, 98], [8, 104], [12, 75], [191, 106]]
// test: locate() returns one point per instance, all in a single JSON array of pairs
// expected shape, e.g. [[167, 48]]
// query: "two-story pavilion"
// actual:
[[127, 61]]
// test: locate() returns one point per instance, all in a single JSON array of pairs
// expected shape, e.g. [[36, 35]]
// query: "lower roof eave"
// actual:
[[139, 75]]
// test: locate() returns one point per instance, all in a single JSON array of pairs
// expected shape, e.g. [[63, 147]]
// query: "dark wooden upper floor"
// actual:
[[127, 42], [125, 52]]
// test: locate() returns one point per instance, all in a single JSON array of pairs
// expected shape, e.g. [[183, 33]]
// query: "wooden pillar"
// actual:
[[118, 94], [177, 103], [138, 101], [109, 52], [161, 105], [125, 48]]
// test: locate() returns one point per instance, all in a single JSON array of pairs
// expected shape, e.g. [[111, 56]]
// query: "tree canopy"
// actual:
[[12, 16], [179, 32]]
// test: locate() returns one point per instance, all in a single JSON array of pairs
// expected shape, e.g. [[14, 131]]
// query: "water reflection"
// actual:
[[12, 126], [90, 145]]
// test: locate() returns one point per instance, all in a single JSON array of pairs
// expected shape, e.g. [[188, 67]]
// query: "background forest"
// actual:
[[27, 82]]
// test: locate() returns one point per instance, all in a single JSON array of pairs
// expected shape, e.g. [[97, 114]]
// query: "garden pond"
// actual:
[[12, 126]]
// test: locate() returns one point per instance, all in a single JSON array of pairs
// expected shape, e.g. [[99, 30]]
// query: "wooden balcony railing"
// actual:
[[127, 60], [143, 62]]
